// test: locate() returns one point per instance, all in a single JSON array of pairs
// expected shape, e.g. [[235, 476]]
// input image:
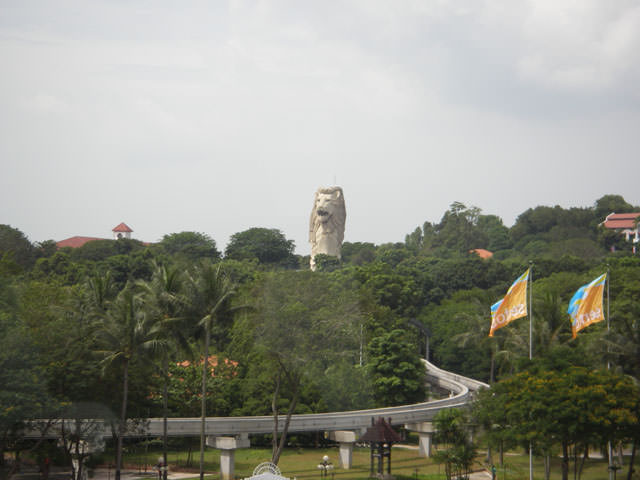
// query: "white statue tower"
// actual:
[[326, 227]]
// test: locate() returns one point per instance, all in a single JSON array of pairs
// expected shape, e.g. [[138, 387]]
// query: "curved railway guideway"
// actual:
[[461, 389], [229, 433]]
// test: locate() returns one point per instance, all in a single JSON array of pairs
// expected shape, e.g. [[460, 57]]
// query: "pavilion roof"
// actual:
[[380, 432], [123, 227]]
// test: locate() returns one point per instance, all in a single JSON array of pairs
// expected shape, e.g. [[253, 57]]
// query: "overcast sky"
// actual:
[[218, 116]]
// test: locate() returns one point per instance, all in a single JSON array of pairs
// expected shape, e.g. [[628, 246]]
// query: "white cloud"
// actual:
[[585, 46], [202, 112], [45, 103]]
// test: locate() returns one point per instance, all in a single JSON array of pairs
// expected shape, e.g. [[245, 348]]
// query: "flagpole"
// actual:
[[609, 446], [530, 353], [530, 311], [608, 318]]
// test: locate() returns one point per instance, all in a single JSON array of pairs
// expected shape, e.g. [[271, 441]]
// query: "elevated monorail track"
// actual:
[[461, 393]]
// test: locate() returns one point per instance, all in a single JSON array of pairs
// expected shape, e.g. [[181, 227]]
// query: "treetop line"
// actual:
[[104, 329]]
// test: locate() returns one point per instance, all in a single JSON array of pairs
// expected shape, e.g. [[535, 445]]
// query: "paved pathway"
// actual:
[[109, 474], [104, 474], [484, 475], [101, 474]]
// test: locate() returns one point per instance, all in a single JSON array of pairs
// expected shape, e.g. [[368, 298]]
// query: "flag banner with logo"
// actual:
[[512, 306], [585, 307]]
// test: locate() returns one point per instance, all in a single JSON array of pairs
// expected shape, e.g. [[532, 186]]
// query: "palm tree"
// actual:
[[210, 300], [125, 333], [551, 327], [100, 291], [164, 302], [477, 336], [503, 347]]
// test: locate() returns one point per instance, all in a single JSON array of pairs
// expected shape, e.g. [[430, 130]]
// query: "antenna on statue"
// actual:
[[334, 180]]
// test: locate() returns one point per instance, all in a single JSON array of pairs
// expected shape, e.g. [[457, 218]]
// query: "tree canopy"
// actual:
[[288, 341], [16, 247], [573, 407], [267, 245], [191, 246]]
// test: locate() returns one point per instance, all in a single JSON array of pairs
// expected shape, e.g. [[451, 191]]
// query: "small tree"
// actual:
[[126, 332], [16, 246], [326, 263], [268, 245], [397, 373], [210, 293], [164, 300], [80, 434], [191, 246], [452, 430], [303, 324], [576, 407], [23, 389]]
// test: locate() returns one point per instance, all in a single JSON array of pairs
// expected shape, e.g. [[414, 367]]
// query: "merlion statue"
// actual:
[[326, 228]]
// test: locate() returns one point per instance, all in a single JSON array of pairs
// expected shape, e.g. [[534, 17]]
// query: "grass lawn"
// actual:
[[300, 463], [405, 464], [516, 467]]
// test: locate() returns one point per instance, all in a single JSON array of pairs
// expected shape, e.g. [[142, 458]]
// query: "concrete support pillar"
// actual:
[[76, 468], [424, 446], [346, 439], [227, 464], [346, 455], [425, 432], [227, 447]]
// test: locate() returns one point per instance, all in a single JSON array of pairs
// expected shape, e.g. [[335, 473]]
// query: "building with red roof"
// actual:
[[627, 224], [75, 242], [482, 253], [120, 231]]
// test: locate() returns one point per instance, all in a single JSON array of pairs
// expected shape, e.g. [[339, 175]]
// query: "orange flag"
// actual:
[[585, 307], [512, 306]]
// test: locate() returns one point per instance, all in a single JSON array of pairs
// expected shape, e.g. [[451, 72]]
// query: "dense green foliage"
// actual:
[[571, 407], [15, 247], [290, 341], [459, 452], [396, 373], [190, 246], [267, 245]]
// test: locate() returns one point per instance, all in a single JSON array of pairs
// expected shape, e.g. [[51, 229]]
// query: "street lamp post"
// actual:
[[325, 466]]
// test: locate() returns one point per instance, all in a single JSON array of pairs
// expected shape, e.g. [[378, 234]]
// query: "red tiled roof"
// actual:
[[621, 220], [75, 242], [380, 432], [482, 253], [213, 363], [123, 227]]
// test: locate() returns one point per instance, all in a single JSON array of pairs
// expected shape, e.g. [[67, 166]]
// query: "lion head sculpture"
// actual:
[[326, 228]]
